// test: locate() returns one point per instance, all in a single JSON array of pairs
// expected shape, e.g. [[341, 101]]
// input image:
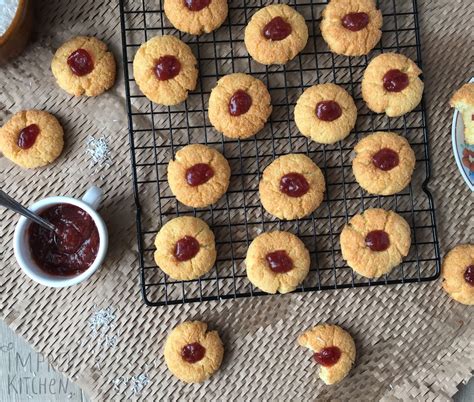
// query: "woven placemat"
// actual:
[[413, 341]]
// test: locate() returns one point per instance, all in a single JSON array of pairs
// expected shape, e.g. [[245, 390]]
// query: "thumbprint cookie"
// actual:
[[458, 273], [391, 85]]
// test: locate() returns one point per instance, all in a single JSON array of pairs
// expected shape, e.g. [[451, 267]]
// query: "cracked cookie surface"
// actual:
[[196, 19], [289, 33], [192, 353], [84, 66], [384, 163], [239, 105], [32, 138], [294, 174], [198, 176], [458, 273], [326, 113], [351, 27], [391, 84], [165, 70], [277, 262], [375, 241], [185, 248], [322, 339]]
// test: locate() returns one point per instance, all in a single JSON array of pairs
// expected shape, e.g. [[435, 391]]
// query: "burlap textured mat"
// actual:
[[413, 341]]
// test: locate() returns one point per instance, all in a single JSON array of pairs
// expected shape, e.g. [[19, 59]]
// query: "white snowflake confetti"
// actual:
[[98, 150], [137, 383], [101, 320], [134, 384]]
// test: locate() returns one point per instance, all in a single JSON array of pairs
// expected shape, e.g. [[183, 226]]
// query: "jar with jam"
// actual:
[[16, 20]]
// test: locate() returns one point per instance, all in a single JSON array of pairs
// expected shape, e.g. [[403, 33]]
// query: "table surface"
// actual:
[[422, 350], [20, 365]]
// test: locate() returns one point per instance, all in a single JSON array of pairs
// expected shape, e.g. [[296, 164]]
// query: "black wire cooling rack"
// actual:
[[157, 132]]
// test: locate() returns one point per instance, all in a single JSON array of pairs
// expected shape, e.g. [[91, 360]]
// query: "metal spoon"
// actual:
[[10, 203]]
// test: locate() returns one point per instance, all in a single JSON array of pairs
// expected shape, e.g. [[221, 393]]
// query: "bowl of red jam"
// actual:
[[70, 254]]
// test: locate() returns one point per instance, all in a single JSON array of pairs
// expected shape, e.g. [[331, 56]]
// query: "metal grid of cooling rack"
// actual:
[[157, 132]]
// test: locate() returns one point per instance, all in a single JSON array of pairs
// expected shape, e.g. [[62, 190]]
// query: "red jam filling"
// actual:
[[328, 110], [294, 185], [80, 62], [193, 352], [467, 156], [167, 67], [328, 357], [277, 29], [186, 248], [395, 81], [28, 136], [240, 103], [355, 21], [279, 261], [377, 240], [72, 248], [469, 275], [196, 5], [198, 174], [385, 159]]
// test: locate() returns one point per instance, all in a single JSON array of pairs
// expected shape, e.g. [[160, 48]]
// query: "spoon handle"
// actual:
[[10, 203]]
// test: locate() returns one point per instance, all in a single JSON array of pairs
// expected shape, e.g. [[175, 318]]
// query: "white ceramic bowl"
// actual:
[[457, 136], [89, 203]]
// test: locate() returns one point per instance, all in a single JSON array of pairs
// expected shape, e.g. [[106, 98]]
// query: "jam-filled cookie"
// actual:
[[276, 34], [292, 187], [196, 16], [463, 100], [165, 70], [84, 66], [458, 273], [185, 248], [198, 176], [277, 262], [32, 138], [334, 351], [239, 106], [351, 27], [391, 85], [384, 163], [192, 353], [326, 113], [375, 241]]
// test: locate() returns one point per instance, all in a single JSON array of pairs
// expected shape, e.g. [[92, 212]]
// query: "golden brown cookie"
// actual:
[[334, 350], [276, 34], [192, 353], [351, 27], [375, 241], [198, 176], [292, 187], [458, 273], [384, 163], [239, 106], [32, 138], [196, 16], [391, 85], [463, 100], [185, 248], [326, 113], [277, 262], [84, 66], [165, 70]]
